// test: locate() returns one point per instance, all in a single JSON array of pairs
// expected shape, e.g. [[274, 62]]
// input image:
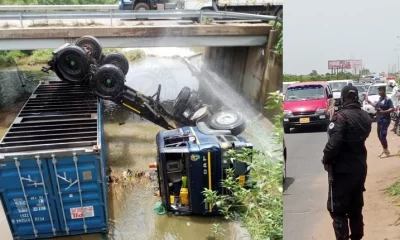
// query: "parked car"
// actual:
[[337, 86], [307, 104], [373, 96], [285, 85], [362, 91]]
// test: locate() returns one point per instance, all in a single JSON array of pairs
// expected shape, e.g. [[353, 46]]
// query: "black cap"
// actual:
[[349, 89], [382, 88]]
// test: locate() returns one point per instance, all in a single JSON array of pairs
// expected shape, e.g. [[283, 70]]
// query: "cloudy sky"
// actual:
[[316, 31]]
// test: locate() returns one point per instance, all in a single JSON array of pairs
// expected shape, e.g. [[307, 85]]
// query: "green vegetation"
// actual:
[[394, 189], [314, 76], [259, 206], [33, 60], [279, 45]]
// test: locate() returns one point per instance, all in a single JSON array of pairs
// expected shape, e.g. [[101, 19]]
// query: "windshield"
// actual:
[[373, 90], [337, 86], [360, 88], [306, 92], [285, 86]]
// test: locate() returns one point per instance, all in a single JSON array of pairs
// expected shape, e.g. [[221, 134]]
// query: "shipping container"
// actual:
[[52, 165]]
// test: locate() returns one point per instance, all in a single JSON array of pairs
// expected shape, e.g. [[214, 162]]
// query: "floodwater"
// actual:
[[132, 146]]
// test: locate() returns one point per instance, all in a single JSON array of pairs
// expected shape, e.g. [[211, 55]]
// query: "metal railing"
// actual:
[[23, 8], [139, 15]]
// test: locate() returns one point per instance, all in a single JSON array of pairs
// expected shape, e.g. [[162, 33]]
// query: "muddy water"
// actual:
[[132, 146]]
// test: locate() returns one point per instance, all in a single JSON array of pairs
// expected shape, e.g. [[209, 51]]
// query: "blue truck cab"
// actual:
[[192, 159], [125, 5]]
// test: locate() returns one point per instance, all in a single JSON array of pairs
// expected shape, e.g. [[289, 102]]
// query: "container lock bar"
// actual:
[[39, 162], [80, 191], [17, 164], [54, 161]]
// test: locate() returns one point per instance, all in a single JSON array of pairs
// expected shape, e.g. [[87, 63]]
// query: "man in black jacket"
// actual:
[[345, 158]]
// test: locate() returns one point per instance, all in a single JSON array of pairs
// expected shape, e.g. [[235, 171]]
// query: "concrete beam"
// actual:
[[137, 31], [138, 42]]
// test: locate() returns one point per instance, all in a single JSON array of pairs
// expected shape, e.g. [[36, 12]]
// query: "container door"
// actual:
[[23, 182], [80, 201]]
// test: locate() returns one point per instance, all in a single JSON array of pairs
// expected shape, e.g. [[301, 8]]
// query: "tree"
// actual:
[[314, 73], [364, 71]]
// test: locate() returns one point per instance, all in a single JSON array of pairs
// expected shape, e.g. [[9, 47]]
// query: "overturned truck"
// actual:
[[192, 155]]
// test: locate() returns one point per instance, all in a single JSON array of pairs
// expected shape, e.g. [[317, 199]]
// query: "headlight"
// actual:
[[287, 113], [320, 110]]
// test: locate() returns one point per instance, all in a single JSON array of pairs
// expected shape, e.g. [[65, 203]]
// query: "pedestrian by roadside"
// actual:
[[383, 107], [345, 159]]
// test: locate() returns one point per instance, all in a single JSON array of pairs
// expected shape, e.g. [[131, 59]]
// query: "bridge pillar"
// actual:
[[253, 71]]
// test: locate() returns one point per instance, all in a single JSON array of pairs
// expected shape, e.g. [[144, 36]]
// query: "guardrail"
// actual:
[[23, 8], [140, 15]]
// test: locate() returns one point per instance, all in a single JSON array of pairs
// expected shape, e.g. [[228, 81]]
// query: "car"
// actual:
[[362, 91], [307, 104], [373, 96], [285, 85], [337, 86]]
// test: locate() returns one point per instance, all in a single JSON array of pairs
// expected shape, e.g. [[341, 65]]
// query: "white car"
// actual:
[[337, 86], [373, 96]]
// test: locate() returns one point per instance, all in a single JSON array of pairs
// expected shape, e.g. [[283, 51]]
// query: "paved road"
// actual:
[[305, 190]]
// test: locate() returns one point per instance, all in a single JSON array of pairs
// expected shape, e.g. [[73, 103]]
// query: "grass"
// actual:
[[394, 189], [132, 55]]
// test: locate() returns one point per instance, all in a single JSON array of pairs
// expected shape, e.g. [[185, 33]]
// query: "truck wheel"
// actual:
[[279, 13], [201, 115], [73, 63], [193, 100], [91, 46], [228, 120], [108, 82], [181, 101], [141, 7], [58, 73], [117, 59]]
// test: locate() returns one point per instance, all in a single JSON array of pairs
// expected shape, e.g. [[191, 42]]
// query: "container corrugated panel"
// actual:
[[52, 165]]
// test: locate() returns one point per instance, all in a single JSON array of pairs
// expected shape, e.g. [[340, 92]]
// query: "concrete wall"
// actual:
[[249, 69]]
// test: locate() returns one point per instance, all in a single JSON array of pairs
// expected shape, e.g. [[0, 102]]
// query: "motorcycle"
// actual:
[[395, 117]]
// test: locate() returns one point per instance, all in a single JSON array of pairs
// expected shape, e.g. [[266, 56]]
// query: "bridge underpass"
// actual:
[[240, 53]]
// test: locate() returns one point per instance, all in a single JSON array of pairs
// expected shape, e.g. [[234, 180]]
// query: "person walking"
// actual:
[[383, 107], [345, 159]]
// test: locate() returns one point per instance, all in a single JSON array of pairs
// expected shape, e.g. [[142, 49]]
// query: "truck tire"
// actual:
[[108, 82], [228, 120], [279, 13], [73, 63], [117, 59], [59, 74], [193, 100], [141, 7], [91, 46], [181, 101], [202, 114]]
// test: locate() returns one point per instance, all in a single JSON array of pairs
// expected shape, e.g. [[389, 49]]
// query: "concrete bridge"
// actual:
[[138, 36], [240, 53]]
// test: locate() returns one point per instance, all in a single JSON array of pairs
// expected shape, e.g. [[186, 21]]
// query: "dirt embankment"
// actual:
[[381, 213]]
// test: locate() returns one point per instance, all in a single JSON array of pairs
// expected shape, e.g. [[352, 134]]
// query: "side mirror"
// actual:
[[330, 95]]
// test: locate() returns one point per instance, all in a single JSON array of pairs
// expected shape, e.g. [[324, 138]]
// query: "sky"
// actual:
[[316, 31]]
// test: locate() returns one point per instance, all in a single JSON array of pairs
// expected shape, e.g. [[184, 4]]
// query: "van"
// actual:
[[308, 104]]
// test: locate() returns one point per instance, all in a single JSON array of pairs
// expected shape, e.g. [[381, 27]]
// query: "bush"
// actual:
[[259, 206], [9, 58], [40, 56], [131, 55]]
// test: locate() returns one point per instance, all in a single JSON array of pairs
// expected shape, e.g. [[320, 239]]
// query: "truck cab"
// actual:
[[191, 159]]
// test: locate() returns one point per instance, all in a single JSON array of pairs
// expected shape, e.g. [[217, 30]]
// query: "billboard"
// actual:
[[345, 64]]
